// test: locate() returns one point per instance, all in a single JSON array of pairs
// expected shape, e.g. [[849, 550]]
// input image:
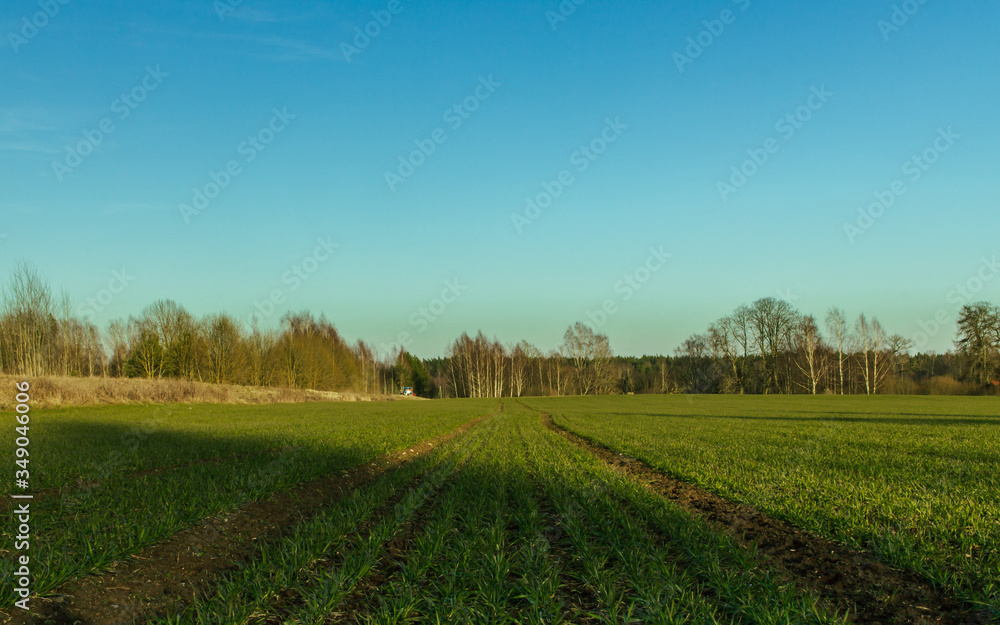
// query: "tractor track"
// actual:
[[850, 580], [163, 577]]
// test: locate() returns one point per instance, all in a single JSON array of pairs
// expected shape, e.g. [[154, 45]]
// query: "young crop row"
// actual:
[[86, 445], [80, 530], [915, 482], [508, 523], [647, 559], [305, 575]]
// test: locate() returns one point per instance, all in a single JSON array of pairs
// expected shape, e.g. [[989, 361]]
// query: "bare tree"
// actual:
[[878, 342], [978, 340], [590, 355], [863, 330], [836, 325], [520, 367], [478, 367], [534, 355], [29, 325], [896, 354], [368, 363], [225, 349], [497, 362], [556, 367], [663, 368], [119, 342], [260, 357], [808, 346], [878, 352], [173, 328], [772, 321], [694, 364], [146, 353], [730, 339]]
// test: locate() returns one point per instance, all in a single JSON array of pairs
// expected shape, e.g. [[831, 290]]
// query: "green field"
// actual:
[[135, 477], [914, 479], [510, 522]]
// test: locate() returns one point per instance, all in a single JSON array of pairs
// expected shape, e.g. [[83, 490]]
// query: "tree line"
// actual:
[[41, 335], [761, 348]]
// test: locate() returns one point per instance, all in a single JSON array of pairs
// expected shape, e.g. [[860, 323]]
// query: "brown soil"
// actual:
[[850, 580], [164, 576]]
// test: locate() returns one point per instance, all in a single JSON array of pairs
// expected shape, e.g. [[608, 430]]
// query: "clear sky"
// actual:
[[411, 152]]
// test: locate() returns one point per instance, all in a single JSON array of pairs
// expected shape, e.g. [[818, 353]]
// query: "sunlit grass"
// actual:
[[915, 480]]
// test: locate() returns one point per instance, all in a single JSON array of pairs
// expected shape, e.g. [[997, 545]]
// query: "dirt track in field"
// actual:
[[163, 577], [394, 553], [581, 602], [850, 580], [280, 611]]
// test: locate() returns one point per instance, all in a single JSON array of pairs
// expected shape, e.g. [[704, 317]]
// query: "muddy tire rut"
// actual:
[[163, 577], [847, 579]]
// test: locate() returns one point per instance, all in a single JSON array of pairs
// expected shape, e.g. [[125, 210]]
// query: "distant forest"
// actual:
[[762, 348]]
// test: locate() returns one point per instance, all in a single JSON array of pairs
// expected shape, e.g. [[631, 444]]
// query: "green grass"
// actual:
[[916, 480], [511, 524], [94, 443], [321, 560], [84, 529]]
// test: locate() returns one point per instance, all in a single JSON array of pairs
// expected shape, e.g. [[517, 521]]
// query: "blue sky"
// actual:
[[312, 118]]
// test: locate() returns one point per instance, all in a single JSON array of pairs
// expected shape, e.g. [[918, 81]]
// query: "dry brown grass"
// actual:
[[944, 385], [56, 391]]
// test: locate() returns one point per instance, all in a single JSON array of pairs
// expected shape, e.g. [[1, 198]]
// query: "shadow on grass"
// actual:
[[824, 416], [128, 486]]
